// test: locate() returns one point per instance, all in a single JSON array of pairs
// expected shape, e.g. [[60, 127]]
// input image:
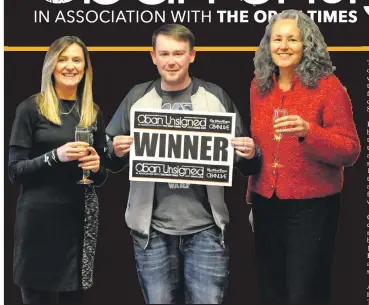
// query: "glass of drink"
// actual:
[[278, 113], [84, 134]]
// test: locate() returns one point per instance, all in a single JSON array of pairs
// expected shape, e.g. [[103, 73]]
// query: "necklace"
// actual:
[[69, 110]]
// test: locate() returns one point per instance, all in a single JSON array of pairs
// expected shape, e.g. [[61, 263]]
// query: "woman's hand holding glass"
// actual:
[[278, 113], [72, 151], [81, 151], [291, 125], [91, 161], [84, 134]]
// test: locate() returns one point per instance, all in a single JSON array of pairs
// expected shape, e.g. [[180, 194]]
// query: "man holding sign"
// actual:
[[179, 228]]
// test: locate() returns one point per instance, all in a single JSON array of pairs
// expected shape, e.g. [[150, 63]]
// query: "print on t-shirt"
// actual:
[[187, 106]]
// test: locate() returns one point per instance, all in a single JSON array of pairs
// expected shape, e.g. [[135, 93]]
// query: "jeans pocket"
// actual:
[[135, 239], [213, 232], [138, 239], [154, 233]]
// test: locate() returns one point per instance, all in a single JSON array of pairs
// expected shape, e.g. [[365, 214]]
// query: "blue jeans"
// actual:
[[192, 267]]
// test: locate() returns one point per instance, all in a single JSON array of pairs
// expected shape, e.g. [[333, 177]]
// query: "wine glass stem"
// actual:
[[85, 174], [277, 153]]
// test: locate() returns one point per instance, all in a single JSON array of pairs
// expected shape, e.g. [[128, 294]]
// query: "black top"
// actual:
[[50, 229]]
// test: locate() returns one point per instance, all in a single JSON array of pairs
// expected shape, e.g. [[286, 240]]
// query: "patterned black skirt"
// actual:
[[55, 242]]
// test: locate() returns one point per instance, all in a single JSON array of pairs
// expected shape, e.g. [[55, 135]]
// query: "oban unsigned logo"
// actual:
[[155, 169]]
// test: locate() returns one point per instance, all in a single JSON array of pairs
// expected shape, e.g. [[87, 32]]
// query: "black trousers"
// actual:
[[294, 243], [38, 297]]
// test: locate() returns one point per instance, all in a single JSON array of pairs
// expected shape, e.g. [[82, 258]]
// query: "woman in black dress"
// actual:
[[56, 218]]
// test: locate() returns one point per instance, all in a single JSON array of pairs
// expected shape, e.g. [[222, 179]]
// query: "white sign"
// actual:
[[182, 146]]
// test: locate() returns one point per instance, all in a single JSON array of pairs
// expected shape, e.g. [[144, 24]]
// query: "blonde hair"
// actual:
[[47, 99]]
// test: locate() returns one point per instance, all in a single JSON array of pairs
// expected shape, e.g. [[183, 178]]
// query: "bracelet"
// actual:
[[55, 156], [51, 158]]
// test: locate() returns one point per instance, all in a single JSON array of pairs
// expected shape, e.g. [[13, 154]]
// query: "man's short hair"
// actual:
[[176, 31]]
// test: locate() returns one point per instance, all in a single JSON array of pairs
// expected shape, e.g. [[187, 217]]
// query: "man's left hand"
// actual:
[[244, 146]]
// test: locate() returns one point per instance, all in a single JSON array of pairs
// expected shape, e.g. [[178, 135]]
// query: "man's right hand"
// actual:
[[122, 145]]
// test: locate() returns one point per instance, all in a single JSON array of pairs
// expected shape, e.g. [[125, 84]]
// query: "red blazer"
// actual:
[[313, 167]]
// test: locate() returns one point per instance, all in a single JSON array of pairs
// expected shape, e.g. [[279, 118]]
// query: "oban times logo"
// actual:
[[260, 2]]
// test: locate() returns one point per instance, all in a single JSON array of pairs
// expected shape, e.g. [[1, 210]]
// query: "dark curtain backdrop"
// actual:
[[116, 72]]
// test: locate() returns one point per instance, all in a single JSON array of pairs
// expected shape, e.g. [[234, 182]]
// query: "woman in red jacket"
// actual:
[[301, 118]]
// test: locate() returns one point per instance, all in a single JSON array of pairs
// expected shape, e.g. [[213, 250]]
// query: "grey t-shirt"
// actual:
[[180, 208]]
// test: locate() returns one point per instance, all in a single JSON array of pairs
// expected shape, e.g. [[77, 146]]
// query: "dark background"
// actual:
[[116, 72], [20, 30]]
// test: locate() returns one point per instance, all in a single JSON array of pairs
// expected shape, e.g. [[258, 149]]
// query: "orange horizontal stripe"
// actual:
[[206, 49]]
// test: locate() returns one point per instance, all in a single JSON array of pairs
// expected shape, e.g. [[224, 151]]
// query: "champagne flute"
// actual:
[[278, 113], [84, 134]]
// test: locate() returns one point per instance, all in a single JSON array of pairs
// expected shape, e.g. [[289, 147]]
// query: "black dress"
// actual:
[[56, 218]]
